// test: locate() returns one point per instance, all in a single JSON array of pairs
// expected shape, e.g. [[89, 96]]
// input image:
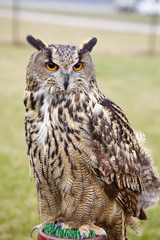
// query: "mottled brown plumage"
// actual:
[[89, 167]]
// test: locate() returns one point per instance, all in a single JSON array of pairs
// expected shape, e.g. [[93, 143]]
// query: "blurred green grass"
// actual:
[[125, 74]]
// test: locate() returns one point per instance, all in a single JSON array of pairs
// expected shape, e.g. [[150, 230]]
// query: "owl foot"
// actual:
[[68, 225], [84, 231], [55, 221], [34, 228]]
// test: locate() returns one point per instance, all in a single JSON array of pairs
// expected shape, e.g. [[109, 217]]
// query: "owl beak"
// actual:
[[66, 81]]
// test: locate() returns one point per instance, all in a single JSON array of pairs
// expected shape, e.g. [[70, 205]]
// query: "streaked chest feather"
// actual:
[[60, 119], [60, 129]]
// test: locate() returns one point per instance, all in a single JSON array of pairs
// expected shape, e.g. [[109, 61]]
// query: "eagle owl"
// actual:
[[90, 169]]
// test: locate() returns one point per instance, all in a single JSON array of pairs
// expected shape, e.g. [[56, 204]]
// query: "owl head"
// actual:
[[59, 68]]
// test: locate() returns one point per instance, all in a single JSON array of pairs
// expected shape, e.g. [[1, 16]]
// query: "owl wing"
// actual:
[[117, 156]]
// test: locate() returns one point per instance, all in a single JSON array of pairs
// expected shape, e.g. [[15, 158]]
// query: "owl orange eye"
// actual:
[[51, 66], [78, 66]]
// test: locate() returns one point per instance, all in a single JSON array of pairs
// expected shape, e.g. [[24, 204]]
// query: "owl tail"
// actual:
[[150, 179], [151, 182], [134, 224]]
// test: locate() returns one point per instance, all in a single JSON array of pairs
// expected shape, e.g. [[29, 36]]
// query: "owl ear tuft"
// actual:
[[36, 43], [87, 47]]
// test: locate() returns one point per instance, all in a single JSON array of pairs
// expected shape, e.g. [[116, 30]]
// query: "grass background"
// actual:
[[125, 74]]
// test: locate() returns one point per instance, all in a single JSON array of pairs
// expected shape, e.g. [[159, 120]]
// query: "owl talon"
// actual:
[[55, 222], [58, 225], [106, 236], [83, 235], [34, 228]]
